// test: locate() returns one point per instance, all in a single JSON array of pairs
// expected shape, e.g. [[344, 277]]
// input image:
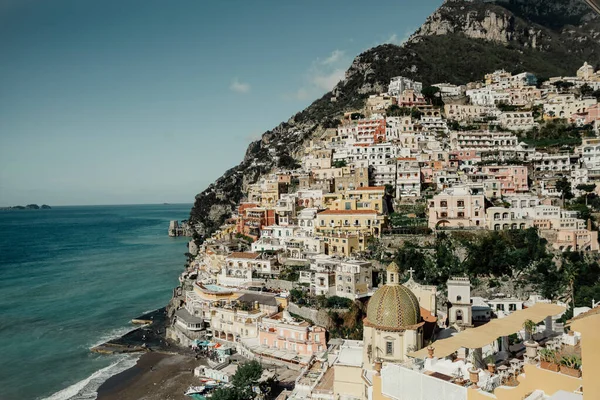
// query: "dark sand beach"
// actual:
[[156, 376]]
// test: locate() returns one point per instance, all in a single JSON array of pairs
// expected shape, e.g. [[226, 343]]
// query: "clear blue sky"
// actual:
[[122, 101]]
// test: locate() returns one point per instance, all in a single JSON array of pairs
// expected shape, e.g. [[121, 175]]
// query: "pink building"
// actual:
[[459, 158], [282, 332], [593, 114], [513, 178]]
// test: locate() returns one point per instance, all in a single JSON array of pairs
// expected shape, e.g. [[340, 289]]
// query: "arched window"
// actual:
[[458, 298]]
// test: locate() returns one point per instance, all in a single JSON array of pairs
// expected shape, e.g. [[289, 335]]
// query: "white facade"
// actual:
[[459, 296], [399, 84]]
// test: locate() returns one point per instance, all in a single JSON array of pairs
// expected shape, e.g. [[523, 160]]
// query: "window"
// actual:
[[461, 214], [460, 203], [443, 203], [389, 348], [317, 338], [443, 214], [458, 298]]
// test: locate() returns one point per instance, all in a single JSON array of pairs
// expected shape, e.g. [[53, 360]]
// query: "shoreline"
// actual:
[[155, 376], [150, 337]]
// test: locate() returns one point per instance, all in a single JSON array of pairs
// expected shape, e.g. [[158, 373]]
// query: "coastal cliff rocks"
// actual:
[[459, 42]]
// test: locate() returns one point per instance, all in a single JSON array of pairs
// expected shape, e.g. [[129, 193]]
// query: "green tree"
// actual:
[[563, 185], [246, 378], [433, 96], [339, 164]]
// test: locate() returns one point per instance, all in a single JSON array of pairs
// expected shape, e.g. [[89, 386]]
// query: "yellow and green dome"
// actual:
[[393, 307]]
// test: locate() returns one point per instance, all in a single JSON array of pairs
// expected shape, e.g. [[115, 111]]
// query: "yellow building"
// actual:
[[350, 221], [344, 244]]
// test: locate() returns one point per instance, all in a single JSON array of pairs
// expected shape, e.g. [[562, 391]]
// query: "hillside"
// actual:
[[458, 43]]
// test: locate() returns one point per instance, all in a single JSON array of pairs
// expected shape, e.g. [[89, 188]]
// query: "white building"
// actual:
[[399, 84], [353, 279], [517, 120], [459, 301]]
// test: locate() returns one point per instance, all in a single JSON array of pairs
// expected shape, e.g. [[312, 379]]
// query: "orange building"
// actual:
[[251, 219]]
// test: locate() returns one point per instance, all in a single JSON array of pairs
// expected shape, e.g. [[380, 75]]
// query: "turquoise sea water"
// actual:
[[72, 277]]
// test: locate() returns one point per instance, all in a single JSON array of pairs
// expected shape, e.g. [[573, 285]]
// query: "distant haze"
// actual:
[[117, 102]]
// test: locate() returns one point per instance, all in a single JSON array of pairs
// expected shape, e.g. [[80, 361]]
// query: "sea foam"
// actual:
[[87, 389]]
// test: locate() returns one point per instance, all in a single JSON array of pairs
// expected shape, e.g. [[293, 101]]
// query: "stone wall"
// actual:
[[182, 339], [275, 284], [319, 317]]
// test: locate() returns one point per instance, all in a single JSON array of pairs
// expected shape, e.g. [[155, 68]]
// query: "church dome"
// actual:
[[393, 307]]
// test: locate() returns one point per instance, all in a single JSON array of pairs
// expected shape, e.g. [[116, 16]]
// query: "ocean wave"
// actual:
[[87, 389], [114, 334]]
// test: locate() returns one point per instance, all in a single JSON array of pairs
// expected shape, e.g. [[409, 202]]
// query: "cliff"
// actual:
[[458, 43]]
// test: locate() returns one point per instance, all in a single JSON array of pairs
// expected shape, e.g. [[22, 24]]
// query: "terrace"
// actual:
[[524, 370]]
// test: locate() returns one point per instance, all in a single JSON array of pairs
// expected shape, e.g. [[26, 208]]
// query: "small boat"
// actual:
[[211, 383], [194, 390]]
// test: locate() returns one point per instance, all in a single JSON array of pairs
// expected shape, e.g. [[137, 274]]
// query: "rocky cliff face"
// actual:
[[458, 43], [535, 24]]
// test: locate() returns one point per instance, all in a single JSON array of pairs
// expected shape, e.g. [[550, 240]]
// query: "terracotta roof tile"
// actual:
[[248, 255], [371, 188]]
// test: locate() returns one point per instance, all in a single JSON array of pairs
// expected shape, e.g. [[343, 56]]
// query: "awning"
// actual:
[[481, 336]]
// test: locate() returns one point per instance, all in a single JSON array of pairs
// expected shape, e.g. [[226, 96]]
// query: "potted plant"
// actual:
[[571, 365], [491, 364], [474, 376], [530, 344], [549, 360]]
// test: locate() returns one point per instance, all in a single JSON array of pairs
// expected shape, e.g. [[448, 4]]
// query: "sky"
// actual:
[[146, 101]]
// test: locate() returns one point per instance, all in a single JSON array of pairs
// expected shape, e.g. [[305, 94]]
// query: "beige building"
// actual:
[[350, 221], [393, 325], [458, 207]]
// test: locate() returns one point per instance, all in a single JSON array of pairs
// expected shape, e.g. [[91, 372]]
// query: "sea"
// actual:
[[72, 278]]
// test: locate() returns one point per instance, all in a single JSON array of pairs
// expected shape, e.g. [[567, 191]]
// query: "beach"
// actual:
[[156, 376]]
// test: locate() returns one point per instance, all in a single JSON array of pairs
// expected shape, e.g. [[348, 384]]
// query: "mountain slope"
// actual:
[[458, 43]]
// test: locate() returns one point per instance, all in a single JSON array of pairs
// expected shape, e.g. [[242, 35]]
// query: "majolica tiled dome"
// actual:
[[393, 307]]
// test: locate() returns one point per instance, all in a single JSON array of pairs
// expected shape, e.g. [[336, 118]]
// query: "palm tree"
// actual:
[[570, 271]]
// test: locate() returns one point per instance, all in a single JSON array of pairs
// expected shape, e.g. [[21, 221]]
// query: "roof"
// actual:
[[481, 336], [347, 212], [247, 255], [350, 355], [371, 188], [257, 297], [393, 307], [593, 311], [183, 314], [427, 315]]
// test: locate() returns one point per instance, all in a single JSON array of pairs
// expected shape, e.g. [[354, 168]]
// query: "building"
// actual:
[[350, 221], [458, 207], [483, 141], [399, 84], [408, 178], [353, 279], [566, 104], [251, 219], [393, 326], [343, 244], [469, 112], [240, 267], [459, 301], [517, 120], [283, 332]]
